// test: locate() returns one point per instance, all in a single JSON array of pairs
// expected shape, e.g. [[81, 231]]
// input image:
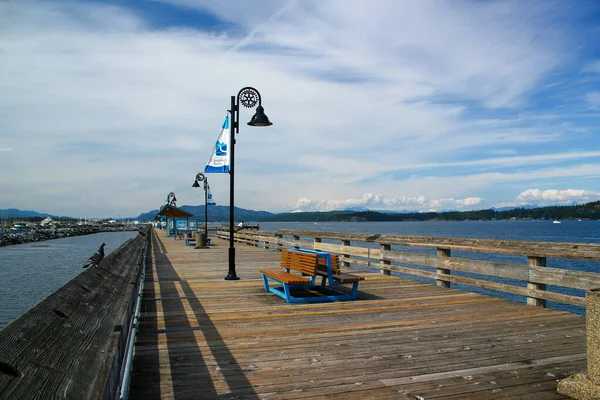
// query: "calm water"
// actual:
[[32, 271], [543, 231]]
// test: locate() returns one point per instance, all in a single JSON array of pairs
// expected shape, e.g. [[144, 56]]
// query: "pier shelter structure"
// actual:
[[176, 219]]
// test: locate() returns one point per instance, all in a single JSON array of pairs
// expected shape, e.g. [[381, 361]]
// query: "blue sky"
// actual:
[[107, 106]]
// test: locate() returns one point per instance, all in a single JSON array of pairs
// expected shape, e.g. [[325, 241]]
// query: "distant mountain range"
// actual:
[[16, 213], [221, 214], [215, 213]]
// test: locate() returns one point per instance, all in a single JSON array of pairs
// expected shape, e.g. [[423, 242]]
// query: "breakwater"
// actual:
[[42, 234]]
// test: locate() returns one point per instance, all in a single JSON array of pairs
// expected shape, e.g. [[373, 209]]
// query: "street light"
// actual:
[[202, 178], [171, 199], [249, 98]]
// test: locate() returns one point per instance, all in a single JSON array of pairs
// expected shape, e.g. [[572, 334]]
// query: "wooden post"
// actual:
[[533, 261], [383, 263], [296, 239], [279, 239], [442, 271], [592, 322], [586, 386], [345, 264], [315, 245]]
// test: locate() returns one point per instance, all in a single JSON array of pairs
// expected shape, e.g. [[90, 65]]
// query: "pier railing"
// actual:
[[522, 271], [74, 344]]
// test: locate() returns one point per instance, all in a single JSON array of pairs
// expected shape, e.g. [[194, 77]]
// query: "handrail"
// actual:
[[388, 253], [123, 390]]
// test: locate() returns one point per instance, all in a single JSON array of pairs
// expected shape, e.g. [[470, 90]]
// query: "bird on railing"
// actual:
[[96, 257]]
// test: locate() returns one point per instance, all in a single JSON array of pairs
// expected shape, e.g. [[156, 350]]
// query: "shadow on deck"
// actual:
[[186, 371], [204, 337]]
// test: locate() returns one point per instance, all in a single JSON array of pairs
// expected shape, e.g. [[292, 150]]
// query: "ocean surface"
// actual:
[[30, 272]]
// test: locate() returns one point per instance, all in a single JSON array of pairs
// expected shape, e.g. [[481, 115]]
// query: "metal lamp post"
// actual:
[[171, 201], [202, 178], [249, 98]]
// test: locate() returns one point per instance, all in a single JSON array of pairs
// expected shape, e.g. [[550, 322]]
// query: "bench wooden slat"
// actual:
[[301, 262], [285, 277], [335, 264]]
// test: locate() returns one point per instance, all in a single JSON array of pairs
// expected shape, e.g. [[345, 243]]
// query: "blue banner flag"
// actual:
[[219, 158], [209, 197]]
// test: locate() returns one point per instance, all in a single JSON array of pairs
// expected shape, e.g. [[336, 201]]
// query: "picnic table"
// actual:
[[301, 267]]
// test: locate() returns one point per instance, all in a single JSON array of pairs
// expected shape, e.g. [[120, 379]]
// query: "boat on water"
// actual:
[[556, 221]]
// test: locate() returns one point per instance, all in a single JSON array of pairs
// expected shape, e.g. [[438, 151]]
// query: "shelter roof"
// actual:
[[170, 211]]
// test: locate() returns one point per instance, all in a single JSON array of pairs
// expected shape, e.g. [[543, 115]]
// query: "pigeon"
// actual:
[[95, 258]]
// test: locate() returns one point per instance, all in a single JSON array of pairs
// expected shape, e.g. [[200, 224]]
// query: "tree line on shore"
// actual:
[[581, 211]]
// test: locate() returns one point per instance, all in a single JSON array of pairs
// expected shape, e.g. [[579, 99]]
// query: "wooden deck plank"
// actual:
[[203, 337]]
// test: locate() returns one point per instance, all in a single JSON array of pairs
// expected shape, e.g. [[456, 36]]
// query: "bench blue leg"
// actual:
[[285, 294], [354, 290], [288, 296]]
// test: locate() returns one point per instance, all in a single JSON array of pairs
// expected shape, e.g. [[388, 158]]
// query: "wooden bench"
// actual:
[[302, 263], [337, 276], [309, 264], [191, 239]]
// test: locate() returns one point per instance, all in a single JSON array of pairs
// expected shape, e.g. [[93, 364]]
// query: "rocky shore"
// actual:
[[39, 235]]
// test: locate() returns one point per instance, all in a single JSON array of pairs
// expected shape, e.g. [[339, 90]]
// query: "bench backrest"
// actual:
[[335, 264], [305, 263]]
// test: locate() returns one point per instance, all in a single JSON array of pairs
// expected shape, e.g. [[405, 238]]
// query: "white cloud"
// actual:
[[378, 202], [559, 196], [552, 197], [110, 111]]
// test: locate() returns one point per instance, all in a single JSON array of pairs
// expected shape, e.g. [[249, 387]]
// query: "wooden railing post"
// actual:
[[279, 244], [296, 239], [585, 386], [345, 264], [533, 261], [593, 335], [315, 245], [442, 271], [383, 263]]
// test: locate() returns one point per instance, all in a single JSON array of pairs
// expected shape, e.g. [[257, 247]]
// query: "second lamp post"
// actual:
[[202, 178]]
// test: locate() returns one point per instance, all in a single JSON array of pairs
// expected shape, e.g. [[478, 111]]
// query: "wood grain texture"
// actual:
[[70, 344], [202, 337]]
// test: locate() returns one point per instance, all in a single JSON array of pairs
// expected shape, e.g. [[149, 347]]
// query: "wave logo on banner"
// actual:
[[219, 158], [209, 197]]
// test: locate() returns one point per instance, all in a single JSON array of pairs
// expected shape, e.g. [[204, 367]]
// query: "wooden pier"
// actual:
[[202, 337]]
